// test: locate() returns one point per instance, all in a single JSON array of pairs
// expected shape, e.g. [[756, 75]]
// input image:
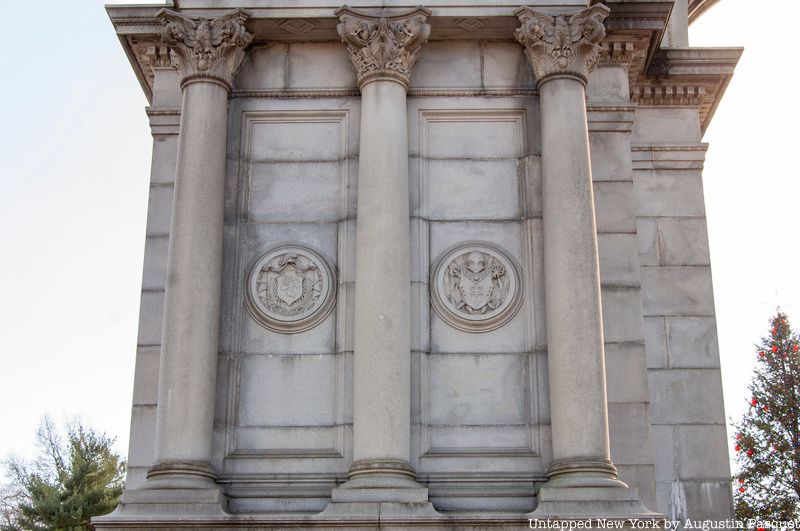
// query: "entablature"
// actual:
[[634, 32]]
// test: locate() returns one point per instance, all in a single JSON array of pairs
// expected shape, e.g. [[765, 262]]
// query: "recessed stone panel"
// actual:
[[294, 191], [475, 135], [296, 137], [473, 389], [287, 391], [473, 189]]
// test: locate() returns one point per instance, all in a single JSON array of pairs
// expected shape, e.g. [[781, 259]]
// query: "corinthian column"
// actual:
[[383, 51], [562, 50], [206, 53]]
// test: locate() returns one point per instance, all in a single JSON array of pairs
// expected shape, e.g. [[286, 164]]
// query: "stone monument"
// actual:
[[441, 265]]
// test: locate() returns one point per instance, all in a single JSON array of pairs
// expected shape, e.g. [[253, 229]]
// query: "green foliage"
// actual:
[[768, 435], [70, 482]]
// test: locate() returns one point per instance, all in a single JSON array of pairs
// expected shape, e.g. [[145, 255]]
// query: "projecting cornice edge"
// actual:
[[640, 22], [690, 77]]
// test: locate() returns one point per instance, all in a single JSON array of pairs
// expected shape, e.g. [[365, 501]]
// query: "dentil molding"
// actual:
[[202, 48], [291, 288], [562, 44], [383, 47], [476, 286]]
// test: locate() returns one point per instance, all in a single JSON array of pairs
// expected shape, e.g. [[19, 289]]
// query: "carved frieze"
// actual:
[[563, 44], [476, 287], [383, 46], [207, 48], [291, 288]]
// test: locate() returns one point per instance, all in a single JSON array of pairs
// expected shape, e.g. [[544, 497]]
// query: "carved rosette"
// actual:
[[291, 288], [562, 44], [202, 48], [476, 287], [383, 46]]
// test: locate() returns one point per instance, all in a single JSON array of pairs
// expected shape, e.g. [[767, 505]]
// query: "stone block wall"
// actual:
[[480, 410], [688, 420]]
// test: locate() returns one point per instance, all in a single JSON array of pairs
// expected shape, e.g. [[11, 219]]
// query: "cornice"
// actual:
[[639, 22], [698, 7], [692, 77]]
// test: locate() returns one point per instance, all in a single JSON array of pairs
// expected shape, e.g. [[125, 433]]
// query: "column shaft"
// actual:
[[189, 345], [383, 50], [562, 50], [381, 409], [194, 273], [572, 278]]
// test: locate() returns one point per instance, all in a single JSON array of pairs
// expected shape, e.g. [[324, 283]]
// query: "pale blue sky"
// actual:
[[74, 168]]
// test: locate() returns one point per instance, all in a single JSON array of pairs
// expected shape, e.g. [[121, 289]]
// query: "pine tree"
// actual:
[[69, 483], [768, 436]]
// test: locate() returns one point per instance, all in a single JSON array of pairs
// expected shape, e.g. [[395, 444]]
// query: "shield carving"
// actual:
[[477, 290], [290, 286]]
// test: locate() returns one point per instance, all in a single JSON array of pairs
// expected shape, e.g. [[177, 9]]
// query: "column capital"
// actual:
[[205, 49], [383, 47], [564, 44]]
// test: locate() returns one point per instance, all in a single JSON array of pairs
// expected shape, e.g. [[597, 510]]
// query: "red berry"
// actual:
[[795, 348], [737, 447], [749, 453], [741, 481], [754, 401], [741, 489], [766, 408], [774, 348], [761, 353], [738, 436], [774, 330]]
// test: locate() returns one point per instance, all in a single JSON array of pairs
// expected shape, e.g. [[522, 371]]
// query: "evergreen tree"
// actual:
[[768, 436], [70, 482]]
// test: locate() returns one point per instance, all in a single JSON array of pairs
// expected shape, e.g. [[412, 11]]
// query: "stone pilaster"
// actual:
[[206, 53], [383, 51], [562, 50]]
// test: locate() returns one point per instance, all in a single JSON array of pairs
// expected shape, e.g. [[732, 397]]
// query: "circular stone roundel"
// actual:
[[476, 286], [291, 288]]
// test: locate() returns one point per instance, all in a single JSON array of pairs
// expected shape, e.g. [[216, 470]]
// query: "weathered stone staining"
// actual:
[[476, 287], [291, 288], [440, 267]]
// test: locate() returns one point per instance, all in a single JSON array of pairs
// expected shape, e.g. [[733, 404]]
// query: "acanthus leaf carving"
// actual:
[[383, 46], [562, 44], [202, 47]]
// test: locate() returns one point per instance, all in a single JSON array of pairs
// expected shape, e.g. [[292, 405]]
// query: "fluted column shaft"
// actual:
[[383, 50], [562, 50], [189, 346]]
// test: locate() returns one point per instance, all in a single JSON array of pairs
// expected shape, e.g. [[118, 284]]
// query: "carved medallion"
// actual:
[[291, 288], [476, 287]]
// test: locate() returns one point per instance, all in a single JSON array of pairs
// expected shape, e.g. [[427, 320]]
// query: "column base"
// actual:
[[590, 502], [173, 491], [584, 473], [385, 484]]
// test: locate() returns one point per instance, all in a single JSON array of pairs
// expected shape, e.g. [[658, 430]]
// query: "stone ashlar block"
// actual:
[[473, 189], [319, 66], [614, 207], [686, 396], [692, 342], [626, 372], [151, 316], [619, 259], [683, 241], [681, 291], [450, 64]]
